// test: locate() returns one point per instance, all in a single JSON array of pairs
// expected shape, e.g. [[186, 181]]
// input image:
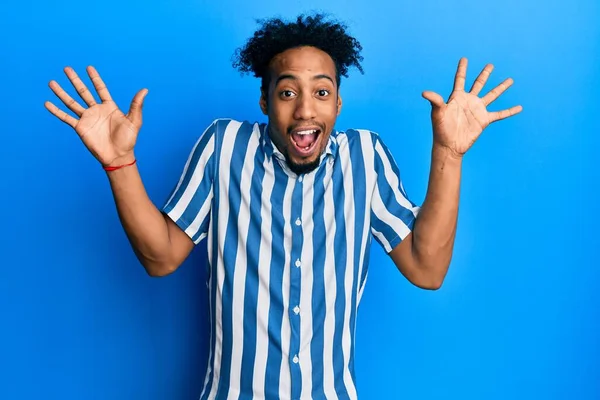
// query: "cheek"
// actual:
[[330, 112], [282, 115], [280, 110]]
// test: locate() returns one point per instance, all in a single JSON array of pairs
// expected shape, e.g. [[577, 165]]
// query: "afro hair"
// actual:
[[275, 36]]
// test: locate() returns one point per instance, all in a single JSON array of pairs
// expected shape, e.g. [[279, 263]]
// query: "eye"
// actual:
[[323, 92], [286, 93]]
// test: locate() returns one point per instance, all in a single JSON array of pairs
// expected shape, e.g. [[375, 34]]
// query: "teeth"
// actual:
[[307, 132]]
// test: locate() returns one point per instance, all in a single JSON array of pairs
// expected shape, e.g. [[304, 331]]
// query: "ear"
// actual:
[[339, 104], [263, 102]]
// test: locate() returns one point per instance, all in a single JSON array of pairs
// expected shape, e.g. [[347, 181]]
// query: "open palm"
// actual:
[[458, 123], [108, 133]]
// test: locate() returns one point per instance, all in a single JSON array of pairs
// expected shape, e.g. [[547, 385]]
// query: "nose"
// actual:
[[305, 108]]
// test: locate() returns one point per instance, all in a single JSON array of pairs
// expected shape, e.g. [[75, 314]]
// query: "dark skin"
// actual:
[[294, 99], [302, 93]]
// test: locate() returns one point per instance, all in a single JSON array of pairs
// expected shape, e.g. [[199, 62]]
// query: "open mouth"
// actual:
[[305, 140]]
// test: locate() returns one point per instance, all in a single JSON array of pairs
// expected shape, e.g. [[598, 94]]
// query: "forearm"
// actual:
[[144, 224], [435, 227]]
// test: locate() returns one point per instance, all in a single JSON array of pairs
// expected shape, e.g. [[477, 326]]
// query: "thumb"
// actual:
[[435, 99], [135, 110]]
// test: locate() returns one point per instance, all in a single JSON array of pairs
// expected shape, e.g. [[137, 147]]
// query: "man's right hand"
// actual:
[[160, 245], [108, 134]]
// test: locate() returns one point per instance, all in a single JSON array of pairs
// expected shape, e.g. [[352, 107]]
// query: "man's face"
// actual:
[[302, 104]]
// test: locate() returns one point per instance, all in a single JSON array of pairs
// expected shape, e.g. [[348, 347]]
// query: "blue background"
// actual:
[[518, 314]]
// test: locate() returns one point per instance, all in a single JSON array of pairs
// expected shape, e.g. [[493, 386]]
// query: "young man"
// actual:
[[289, 209]]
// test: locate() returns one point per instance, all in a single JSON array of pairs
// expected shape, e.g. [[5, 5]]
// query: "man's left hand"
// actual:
[[458, 123]]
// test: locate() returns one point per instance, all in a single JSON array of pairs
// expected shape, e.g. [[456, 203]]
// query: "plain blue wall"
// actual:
[[517, 316]]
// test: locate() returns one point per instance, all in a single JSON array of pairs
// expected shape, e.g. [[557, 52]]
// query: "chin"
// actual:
[[303, 167]]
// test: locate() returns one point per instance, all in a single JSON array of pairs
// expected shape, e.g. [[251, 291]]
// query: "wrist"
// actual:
[[446, 153], [120, 162]]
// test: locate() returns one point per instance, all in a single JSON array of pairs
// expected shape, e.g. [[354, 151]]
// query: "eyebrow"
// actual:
[[295, 78]]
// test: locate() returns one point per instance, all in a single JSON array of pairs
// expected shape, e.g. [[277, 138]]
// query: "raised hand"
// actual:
[[458, 123], [108, 134]]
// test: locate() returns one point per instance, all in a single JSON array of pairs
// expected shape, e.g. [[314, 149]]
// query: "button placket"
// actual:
[[294, 311]]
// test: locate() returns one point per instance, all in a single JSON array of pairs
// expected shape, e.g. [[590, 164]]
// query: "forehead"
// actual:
[[302, 61]]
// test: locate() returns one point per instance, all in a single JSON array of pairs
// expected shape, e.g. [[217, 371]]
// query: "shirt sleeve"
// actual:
[[190, 202], [393, 214]]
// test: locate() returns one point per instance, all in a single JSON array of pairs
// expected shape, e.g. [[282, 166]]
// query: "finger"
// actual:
[[497, 91], [498, 115], [101, 88], [66, 99], [435, 99], [83, 91], [482, 79], [60, 114], [461, 75], [135, 110]]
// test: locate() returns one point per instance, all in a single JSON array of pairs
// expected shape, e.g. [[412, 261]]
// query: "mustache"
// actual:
[[300, 126]]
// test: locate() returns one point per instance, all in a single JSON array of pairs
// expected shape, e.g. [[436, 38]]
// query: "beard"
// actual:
[[302, 168]]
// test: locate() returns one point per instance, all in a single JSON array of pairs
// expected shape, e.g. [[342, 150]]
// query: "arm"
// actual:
[[159, 244], [110, 135], [424, 255]]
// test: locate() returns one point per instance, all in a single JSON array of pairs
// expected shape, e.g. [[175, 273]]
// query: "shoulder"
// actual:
[[357, 137], [228, 128], [232, 125]]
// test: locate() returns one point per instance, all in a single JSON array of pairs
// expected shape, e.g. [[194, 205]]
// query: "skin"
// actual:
[[302, 92], [295, 99], [425, 255], [110, 135]]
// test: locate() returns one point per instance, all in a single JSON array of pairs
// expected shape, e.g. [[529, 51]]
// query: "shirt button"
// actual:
[[298, 222], [295, 359], [298, 263], [300, 179], [296, 310]]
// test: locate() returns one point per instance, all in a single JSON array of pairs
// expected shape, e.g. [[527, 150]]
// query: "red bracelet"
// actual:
[[107, 168]]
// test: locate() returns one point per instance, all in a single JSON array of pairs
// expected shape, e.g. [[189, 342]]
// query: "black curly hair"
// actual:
[[276, 36]]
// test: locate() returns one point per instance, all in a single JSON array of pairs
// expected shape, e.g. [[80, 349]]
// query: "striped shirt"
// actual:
[[288, 256]]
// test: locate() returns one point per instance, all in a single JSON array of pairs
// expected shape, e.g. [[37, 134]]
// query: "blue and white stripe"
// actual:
[[288, 256]]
